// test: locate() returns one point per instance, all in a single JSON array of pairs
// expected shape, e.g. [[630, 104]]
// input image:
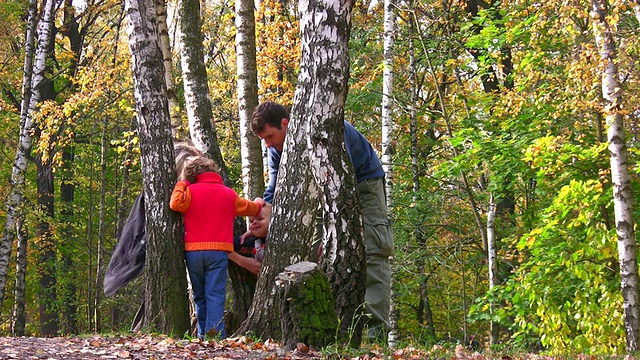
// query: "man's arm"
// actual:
[[273, 162], [248, 263]]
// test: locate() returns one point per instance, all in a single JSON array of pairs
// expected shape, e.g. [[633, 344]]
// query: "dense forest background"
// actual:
[[498, 137]]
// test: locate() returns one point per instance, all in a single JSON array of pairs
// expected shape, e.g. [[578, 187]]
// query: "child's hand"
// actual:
[[244, 236]]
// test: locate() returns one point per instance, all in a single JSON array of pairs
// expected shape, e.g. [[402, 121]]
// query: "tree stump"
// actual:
[[307, 313]]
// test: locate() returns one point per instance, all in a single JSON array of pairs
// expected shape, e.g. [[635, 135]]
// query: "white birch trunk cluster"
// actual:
[[34, 76]]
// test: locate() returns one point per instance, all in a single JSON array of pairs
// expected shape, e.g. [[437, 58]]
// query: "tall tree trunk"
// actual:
[[166, 302], [491, 255], [247, 72], [322, 82], [34, 78], [291, 229], [243, 283], [196, 89], [46, 246], [620, 178], [15, 211], [425, 313], [167, 57], [69, 295], [89, 235], [387, 97], [97, 297], [387, 125], [46, 249]]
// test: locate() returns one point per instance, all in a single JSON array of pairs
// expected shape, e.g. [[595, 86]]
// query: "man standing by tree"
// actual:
[[270, 121]]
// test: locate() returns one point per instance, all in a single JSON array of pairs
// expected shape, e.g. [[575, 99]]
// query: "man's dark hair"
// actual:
[[268, 113]]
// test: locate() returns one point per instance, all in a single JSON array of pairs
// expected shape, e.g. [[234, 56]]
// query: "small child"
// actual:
[[209, 209], [253, 241]]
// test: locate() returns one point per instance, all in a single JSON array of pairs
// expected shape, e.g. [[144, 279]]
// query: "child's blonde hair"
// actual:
[[197, 165]]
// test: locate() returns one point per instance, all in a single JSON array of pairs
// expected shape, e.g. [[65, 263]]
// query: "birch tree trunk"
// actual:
[[295, 204], [620, 178], [387, 93], [166, 302], [34, 77], [247, 72], [196, 89], [167, 60], [291, 230], [387, 127], [492, 257], [97, 297], [243, 283], [15, 212], [320, 96]]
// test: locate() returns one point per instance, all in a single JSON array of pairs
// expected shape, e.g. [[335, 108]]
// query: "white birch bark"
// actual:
[[167, 58], [491, 254], [387, 128], [290, 233], [620, 178], [34, 75], [247, 72], [314, 146], [166, 302], [320, 97], [387, 93]]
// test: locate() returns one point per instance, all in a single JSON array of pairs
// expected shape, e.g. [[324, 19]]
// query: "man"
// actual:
[[270, 122]]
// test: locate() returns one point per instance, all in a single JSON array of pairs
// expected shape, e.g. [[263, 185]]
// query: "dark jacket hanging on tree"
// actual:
[[127, 260]]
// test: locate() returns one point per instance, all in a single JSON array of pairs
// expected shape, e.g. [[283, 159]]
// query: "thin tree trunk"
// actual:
[[90, 251], [387, 96], [166, 302], [491, 255], [167, 57], [97, 297], [15, 211], [387, 128], [34, 77], [67, 191], [243, 283], [46, 267], [251, 147], [19, 319], [620, 178]]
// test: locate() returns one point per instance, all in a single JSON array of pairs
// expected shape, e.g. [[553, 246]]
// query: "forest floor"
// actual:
[[148, 347]]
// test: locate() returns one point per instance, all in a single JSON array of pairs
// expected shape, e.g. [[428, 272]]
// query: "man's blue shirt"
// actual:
[[364, 159]]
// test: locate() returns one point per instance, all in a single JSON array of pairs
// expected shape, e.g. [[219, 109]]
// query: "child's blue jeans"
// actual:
[[208, 274]]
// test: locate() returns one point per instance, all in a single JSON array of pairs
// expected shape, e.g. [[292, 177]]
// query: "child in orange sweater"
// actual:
[[209, 209]]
